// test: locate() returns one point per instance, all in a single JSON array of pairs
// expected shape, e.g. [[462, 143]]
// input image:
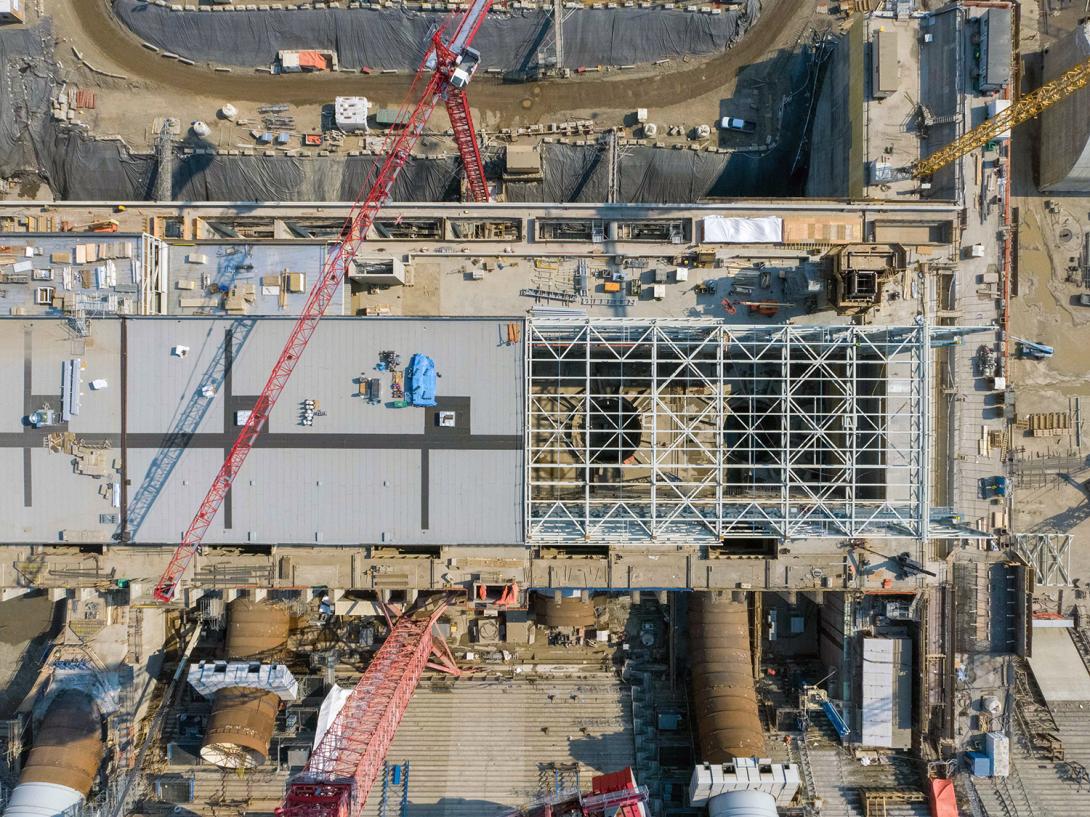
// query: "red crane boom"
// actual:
[[348, 759], [451, 65]]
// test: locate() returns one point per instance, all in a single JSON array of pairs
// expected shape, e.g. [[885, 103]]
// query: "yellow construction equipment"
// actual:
[[1025, 108]]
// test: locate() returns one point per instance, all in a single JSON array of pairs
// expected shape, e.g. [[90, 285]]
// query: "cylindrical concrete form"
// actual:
[[724, 697], [65, 758], [240, 728], [243, 719], [256, 629], [745, 803], [564, 611]]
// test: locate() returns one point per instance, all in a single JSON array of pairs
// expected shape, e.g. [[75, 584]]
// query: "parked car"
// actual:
[[993, 487], [732, 123]]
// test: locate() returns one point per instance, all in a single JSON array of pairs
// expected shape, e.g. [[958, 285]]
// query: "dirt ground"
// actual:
[[25, 629], [681, 92], [1045, 309]]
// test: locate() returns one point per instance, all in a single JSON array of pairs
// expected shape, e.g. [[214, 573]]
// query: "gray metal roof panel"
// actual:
[[997, 56], [366, 457]]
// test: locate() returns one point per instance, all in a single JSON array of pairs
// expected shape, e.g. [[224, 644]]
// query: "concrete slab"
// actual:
[[1057, 666]]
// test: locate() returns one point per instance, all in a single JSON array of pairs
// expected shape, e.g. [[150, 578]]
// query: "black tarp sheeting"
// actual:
[[78, 167], [333, 178], [394, 38], [32, 143]]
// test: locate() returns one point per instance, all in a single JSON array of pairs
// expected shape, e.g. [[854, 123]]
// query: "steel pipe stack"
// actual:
[[67, 752], [243, 719]]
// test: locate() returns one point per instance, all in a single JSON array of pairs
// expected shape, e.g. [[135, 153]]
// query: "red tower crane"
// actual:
[[348, 759], [443, 75]]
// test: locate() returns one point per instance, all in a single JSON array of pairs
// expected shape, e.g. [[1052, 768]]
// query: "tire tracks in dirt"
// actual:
[[91, 26]]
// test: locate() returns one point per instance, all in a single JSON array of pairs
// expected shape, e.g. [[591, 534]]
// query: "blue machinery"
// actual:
[[814, 696], [420, 388], [835, 719], [1033, 349], [395, 777]]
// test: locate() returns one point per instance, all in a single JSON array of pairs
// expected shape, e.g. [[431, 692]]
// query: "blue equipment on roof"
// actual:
[[835, 719], [420, 375]]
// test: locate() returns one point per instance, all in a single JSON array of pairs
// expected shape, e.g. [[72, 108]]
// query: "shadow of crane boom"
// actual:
[[1071, 517], [191, 416], [177, 439]]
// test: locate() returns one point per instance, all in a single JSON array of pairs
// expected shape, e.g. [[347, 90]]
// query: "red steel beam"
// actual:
[[403, 137], [399, 147]]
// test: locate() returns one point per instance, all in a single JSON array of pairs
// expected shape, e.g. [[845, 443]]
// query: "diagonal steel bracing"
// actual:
[[690, 431]]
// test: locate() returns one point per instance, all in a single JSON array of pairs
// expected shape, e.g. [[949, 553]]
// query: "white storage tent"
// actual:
[[723, 230]]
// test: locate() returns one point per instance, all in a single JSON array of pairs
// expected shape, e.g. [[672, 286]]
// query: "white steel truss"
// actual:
[[693, 431], [1049, 554]]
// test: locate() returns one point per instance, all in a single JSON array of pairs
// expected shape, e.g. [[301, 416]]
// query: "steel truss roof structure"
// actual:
[[1049, 554], [693, 431]]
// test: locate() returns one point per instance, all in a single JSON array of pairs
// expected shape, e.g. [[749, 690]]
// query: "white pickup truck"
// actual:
[[732, 123]]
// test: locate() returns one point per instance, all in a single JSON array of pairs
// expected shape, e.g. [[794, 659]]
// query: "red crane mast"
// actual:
[[443, 75], [348, 759]]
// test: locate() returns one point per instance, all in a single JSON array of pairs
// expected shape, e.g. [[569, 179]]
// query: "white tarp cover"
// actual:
[[767, 230], [331, 707], [877, 704]]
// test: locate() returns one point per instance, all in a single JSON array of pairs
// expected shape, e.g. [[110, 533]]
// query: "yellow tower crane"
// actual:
[[1025, 108]]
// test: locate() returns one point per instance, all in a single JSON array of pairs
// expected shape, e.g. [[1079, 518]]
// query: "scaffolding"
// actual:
[[694, 431]]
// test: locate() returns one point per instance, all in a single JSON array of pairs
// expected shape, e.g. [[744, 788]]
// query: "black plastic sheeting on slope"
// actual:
[[32, 143], [572, 173], [646, 175], [77, 167], [25, 84], [257, 178], [394, 38]]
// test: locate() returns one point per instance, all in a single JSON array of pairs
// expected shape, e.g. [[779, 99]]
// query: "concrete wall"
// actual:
[[837, 138], [1065, 127], [831, 641]]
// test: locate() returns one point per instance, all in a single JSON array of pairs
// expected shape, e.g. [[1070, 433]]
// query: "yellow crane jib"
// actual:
[[1025, 108]]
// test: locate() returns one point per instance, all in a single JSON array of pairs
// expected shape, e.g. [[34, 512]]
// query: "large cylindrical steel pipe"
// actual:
[[559, 610], [64, 760], [724, 696], [745, 803], [243, 719]]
